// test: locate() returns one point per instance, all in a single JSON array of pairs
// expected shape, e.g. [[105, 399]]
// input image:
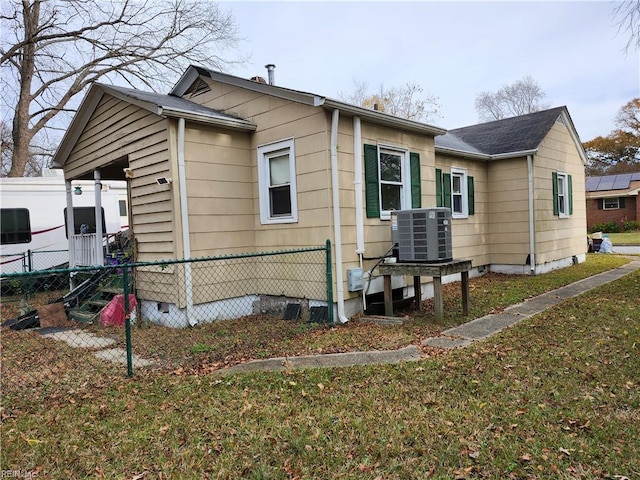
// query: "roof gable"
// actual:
[[194, 72], [159, 104], [509, 137]]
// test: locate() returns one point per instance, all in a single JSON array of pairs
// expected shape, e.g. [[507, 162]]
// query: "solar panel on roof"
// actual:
[[592, 184], [621, 182], [606, 185]]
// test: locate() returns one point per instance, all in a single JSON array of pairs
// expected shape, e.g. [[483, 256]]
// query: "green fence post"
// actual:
[[329, 285], [127, 319], [29, 261]]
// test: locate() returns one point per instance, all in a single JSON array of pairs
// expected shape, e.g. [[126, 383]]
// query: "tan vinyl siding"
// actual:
[[119, 130], [278, 120], [558, 238], [471, 235], [508, 211], [220, 191]]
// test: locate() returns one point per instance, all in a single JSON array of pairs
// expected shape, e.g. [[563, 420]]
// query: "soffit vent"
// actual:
[[198, 88]]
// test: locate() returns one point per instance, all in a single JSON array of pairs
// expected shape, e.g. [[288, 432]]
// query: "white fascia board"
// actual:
[[613, 194], [186, 80], [463, 153], [208, 119], [574, 135], [522, 153], [381, 118], [265, 88]]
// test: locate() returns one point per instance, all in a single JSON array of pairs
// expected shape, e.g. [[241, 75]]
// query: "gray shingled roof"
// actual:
[[611, 182], [516, 134], [172, 102]]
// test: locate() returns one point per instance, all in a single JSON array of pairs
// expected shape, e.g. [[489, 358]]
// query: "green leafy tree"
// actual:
[[618, 152]]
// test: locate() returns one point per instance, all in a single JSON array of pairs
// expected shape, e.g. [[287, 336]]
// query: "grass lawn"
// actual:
[[625, 238], [557, 396]]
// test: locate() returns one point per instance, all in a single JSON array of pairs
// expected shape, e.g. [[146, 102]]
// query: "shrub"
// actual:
[[631, 226], [607, 227]]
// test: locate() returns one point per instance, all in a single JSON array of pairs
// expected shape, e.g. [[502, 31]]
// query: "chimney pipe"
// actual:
[[270, 67]]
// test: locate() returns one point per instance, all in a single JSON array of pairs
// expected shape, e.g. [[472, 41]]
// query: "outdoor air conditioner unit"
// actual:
[[423, 235]]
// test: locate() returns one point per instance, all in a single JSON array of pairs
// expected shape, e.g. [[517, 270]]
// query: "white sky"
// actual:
[[452, 49]]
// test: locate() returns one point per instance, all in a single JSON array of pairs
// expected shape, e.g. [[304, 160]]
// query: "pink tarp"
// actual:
[[113, 314]]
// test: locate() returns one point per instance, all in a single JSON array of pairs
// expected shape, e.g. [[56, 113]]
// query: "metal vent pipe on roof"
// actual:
[[270, 68]]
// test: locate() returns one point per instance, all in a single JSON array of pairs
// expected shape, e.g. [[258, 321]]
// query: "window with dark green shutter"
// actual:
[[392, 180], [562, 191], [455, 190], [372, 186]]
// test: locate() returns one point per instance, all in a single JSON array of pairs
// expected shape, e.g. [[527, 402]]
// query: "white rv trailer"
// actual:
[[32, 216]]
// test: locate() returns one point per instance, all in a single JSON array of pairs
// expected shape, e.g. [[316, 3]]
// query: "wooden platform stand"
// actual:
[[435, 270]]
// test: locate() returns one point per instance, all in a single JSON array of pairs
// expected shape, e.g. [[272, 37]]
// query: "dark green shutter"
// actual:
[[621, 202], [372, 188], [556, 208], [416, 189], [446, 190], [570, 183], [439, 202], [471, 195], [600, 203]]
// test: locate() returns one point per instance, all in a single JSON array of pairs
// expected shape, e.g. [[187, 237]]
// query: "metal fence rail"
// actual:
[[70, 327]]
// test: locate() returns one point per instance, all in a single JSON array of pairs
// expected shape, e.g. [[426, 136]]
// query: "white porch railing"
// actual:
[[82, 250]]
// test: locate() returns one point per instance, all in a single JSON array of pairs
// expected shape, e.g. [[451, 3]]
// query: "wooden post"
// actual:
[[465, 292], [417, 289], [437, 297], [388, 296]]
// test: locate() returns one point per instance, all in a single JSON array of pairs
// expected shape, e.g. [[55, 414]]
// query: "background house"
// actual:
[[251, 166], [613, 198]]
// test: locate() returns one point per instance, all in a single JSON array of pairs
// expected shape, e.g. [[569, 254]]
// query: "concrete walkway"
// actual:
[[456, 337]]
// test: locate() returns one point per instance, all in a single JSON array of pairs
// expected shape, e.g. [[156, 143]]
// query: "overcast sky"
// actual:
[[452, 49]]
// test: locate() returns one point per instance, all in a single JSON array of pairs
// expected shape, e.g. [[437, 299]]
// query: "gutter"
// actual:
[[184, 213], [337, 228], [381, 118], [532, 224], [179, 113]]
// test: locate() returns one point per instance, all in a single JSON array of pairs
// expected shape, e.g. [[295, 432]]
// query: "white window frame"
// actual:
[[462, 174], [405, 175], [563, 199], [265, 153], [604, 203]]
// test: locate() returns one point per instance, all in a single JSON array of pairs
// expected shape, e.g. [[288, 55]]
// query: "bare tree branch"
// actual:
[[628, 15], [406, 101], [519, 98], [54, 49]]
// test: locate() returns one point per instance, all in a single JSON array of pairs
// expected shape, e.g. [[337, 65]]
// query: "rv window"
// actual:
[[84, 216], [122, 204], [15, 226]]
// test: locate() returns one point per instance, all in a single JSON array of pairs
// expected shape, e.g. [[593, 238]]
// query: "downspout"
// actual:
[[337, 229], [532, 223], [357, 169], [184, 213], [98, 217]]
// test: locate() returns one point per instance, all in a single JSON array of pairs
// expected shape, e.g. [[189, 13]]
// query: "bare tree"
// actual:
[[519, 98], [51, 50], [628, 15], [406, 101]]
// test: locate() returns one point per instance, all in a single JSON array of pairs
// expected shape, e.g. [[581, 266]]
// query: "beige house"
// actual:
[[230, 165]]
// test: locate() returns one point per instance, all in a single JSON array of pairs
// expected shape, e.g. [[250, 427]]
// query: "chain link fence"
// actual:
[[71, 328], [33, 260]]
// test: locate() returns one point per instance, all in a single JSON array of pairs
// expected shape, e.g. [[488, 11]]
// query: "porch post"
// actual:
[[98, 215], [71, 229]]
